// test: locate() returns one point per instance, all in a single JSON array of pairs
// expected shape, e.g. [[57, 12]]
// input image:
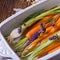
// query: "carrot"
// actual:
[[56, 17], [47, 31], [36, 27], [45, 51], [56, 27], [58, 21], [43, 20], [49, 49], [54, 49], [34, 43], [41, 47]]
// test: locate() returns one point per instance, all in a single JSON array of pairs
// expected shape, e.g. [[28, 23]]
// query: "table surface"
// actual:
[[6, 7]]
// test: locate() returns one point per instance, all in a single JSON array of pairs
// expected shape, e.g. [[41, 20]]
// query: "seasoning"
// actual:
[[19, 29], [33, 38], [42, 29], [53, 25], [53, 37]]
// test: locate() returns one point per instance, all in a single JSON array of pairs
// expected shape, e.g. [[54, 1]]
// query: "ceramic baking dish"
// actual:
[[12, 22]]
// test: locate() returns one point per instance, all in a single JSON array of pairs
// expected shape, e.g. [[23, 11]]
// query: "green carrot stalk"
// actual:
[[20, 44], [42, 46]]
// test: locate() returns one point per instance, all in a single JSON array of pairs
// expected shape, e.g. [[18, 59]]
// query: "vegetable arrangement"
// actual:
[[42, 37]]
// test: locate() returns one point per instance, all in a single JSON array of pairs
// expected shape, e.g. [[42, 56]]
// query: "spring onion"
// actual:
[[14, 34]]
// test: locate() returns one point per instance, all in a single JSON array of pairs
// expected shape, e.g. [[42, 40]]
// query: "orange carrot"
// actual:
[[54, 49], [36, 27], [43, 20], [32, 31], [56, 27], [56, 17], [49, 31], [34, 43], [48, 49], [58, 22]]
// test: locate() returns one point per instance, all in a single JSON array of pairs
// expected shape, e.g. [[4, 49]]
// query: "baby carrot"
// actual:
[[54, 49], [54, 19], [37, 28], [38, 24], [57, 26], [44, 45], [58, 21], [48, 33], [44, 20], [47, 49], [32, 45]]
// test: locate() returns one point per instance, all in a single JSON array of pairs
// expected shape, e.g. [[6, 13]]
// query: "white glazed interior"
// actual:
[[14, 21]]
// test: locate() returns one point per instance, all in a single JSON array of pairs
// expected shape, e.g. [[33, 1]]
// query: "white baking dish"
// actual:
[[14, 21]]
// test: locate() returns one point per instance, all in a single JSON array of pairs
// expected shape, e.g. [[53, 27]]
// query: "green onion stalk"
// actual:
[[20, 45], [33, 20], [42, 46], [14, 34], [34, 15]]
